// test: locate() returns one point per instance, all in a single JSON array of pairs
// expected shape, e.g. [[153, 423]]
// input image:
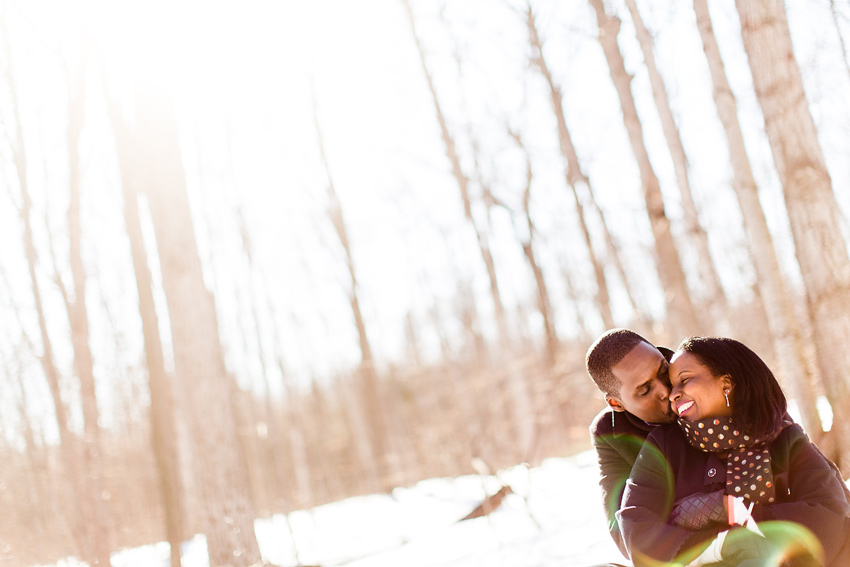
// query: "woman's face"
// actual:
[[695, 392]]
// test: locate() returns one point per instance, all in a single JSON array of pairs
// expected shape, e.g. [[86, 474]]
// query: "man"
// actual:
[[632, 373]]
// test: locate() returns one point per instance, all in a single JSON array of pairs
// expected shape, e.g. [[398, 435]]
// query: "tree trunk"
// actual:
[[227, 512], [715, 298], [100, 526], [304, 483], [836, 20], [305, 493], [48, 517], [521, 407], [273, 453], [785, 332], [162, 417], [73, 485], [575, 177], [462, 182], [371, 406], [544, 305], [809, 198], [682, 319]]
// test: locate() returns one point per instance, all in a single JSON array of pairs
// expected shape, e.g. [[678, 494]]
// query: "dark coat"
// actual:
[[618, 438], [809, 491]]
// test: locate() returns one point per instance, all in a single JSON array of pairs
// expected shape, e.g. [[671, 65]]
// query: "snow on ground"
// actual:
[[554, 519]]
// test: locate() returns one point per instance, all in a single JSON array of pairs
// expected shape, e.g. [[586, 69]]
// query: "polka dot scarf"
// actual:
[[748, 472]]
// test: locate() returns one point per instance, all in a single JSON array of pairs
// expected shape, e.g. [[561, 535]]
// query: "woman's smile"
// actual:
[[683, 407]]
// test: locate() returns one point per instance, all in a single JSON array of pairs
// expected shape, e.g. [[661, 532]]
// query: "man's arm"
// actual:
[[615, 454], [614, 469], [645, 512]]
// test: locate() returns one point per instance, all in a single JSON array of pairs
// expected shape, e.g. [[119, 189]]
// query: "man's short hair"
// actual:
[[607, 352]]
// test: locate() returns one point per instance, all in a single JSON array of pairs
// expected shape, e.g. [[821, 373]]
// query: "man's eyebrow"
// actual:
[[644, 384], [663, 367]]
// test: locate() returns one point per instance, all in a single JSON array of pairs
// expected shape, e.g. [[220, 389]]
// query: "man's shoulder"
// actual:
[[602, 424], [610, 423]]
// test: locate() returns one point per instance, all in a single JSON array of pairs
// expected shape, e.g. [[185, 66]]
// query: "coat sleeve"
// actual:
[[645, 513], [614, 469], [815, 494]]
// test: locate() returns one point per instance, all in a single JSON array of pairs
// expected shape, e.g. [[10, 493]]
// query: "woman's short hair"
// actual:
[[758, 403]]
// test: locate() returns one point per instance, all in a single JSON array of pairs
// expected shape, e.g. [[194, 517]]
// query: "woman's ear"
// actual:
[[728, 384]]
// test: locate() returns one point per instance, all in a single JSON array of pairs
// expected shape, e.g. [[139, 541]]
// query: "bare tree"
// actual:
[[462, 180], [809, 197], [100, 526], [372, 403], [162, 416], [836, 19], [782, 322], [273, 453], [576, 178], [304, 482], [205, 389], [45, 512], [680, 310], [715, 298], [68, 441], [521, 408], [544, 305]]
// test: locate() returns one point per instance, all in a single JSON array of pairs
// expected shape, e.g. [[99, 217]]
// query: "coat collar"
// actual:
[[625, 423]]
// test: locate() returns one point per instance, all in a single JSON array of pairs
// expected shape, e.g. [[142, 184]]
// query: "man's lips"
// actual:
[[683, 407]]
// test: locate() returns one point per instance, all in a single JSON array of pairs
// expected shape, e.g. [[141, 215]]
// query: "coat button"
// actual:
[[712, 472]]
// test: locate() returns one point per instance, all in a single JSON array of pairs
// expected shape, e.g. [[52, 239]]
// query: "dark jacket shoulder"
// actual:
[[616, 423]]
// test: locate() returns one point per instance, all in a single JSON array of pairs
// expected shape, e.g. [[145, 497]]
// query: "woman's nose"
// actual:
[[674, 395]]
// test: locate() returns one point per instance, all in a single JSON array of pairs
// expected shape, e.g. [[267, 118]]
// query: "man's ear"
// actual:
[[614, 403]]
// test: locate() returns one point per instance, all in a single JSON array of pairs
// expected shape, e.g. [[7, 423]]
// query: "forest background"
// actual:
[[264, 256]]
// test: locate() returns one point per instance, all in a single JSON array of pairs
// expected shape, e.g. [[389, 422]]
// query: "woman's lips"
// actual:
[[683, 407]]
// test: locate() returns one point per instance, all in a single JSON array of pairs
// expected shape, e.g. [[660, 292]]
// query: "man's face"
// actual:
[[645, 385]]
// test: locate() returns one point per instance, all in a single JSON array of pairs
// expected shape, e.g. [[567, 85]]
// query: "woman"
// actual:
[[733, 448]]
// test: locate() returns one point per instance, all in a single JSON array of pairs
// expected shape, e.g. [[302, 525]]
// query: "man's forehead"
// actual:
[[639, 365]]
